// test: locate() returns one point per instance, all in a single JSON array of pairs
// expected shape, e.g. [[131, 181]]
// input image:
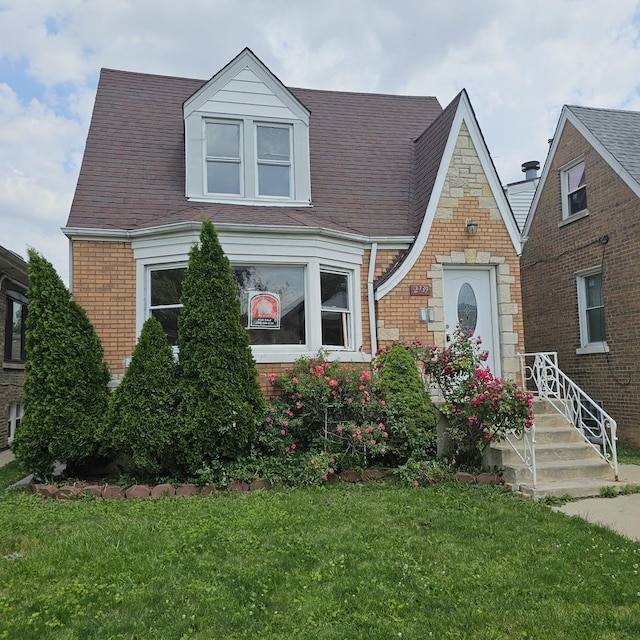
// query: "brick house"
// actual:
[[580, 266], [13, 313], [355, 219]]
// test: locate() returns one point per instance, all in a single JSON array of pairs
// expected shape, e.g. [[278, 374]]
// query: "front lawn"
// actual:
[[375, 561]]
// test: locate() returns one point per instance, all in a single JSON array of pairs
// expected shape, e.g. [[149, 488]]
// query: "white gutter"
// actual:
[[371, 299]]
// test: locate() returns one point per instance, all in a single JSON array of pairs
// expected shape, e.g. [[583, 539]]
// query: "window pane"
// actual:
[[467, 308], [166, 286], [16, 334], [334, 290], [273, 144], [288, 283], [223, 140], [335, 329], [578, 201], [273, 180], [593, 287], [595, 325], [168, 318], [223, 177], [576, 177]]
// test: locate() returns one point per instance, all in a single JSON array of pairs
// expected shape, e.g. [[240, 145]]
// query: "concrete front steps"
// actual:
[[565, 463]]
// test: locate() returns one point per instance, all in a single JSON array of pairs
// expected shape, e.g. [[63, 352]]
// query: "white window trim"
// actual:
[[564, 190], [587, 347], [348, 311], [172, 251], [299, 166]]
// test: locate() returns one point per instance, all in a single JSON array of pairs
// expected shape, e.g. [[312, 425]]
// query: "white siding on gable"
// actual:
[[520, 195], [247, 95]]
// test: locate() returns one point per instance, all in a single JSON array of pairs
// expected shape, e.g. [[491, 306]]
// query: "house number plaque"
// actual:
[[418, 289]]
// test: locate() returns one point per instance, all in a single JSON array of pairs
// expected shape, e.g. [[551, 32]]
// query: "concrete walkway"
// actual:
[[622, 514]]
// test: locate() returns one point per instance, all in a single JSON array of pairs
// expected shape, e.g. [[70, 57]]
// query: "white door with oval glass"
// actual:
[[470, 301]]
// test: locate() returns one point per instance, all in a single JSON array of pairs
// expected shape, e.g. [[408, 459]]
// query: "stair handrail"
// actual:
[[528, 455], [595, 425]]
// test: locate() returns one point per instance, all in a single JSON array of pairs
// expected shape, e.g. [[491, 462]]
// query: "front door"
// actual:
[[470, 301]]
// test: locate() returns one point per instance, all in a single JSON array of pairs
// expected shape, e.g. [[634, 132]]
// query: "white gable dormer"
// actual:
[[247, 139]]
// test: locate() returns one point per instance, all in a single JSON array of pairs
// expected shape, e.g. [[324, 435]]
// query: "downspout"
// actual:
[[371, 299], [71, 266]]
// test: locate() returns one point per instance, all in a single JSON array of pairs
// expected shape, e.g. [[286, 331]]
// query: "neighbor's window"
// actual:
[[165, 289], [274, 160], [336, 309], [574, 188], [224, 164], [285, 321], [14, 335], [591, 309], [14, 419]]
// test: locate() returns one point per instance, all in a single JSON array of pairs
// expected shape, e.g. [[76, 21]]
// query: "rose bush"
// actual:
[[479, 406]]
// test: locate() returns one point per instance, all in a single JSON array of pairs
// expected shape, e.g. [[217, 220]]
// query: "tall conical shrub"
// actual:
[[408, 405], [141, 420], [65, 391], [220, 396]]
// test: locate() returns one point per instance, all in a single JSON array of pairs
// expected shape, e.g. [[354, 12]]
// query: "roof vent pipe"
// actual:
[[530, 169]]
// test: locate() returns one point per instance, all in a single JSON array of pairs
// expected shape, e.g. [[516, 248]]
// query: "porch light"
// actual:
[[472, 227]]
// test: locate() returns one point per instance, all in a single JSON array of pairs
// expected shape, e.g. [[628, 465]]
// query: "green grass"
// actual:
[[376, 561], [628, 455]]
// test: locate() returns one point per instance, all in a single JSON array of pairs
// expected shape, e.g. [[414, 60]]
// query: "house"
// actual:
[[520, 194], [351, 220], [13, 314], [580, 264]]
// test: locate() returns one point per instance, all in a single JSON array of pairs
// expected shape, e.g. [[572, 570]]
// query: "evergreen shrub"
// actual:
[[220, 399], [408, 405], [141, 421], [65, 391]]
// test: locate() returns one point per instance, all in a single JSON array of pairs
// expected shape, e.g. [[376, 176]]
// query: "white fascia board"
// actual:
[[245, 230], [464, 114], [609, 158], [545, 171], [246, 59]]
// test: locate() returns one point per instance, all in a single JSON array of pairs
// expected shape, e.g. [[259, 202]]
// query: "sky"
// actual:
[[519, 60]]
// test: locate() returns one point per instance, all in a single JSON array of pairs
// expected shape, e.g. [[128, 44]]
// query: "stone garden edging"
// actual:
[[116, 492]]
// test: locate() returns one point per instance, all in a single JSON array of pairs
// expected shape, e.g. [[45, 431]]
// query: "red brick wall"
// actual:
[[551, 257]]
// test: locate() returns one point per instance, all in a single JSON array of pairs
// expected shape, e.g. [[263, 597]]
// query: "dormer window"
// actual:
[[223, 158], [247, 139]]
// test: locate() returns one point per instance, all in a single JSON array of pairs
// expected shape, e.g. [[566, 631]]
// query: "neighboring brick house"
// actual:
[[354, 210], [581, 263], [13, 313]]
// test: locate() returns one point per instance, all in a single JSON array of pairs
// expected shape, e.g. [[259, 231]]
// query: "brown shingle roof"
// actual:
[[133, 173]]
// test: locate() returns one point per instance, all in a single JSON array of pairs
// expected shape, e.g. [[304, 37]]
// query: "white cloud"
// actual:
[[519, 60]]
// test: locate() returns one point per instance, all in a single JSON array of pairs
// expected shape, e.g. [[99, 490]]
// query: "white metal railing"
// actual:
[[524, 446], [542, 377]]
